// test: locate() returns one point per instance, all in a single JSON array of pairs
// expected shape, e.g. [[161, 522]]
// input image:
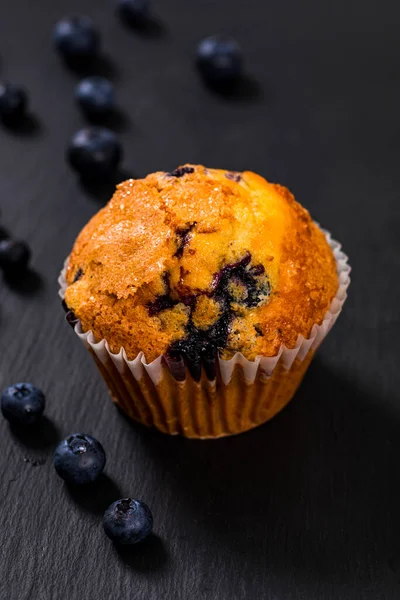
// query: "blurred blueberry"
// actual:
[[219, 60], [134, 12], [13, 102], [95, 95], [22, 404], [76, 37], [128, 521], [94, 152], [79, 459]]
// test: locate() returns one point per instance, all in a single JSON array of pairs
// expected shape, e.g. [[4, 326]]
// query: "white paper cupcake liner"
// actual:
[[136, 382]]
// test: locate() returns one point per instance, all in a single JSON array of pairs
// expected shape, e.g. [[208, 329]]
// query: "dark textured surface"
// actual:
[[306, 507]]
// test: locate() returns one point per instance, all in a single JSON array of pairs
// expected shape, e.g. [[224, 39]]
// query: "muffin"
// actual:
[[203, 294]]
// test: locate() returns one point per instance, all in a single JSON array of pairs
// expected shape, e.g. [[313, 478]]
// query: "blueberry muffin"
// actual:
[[195, 266]]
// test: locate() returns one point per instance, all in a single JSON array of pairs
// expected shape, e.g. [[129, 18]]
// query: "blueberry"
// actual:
[[22, 403], [14, 256], [76, 38], [219, 60], [134, 12], [128, 521], [13, 102], [181, 171], [79, 459], [95, 152], [95, 95]]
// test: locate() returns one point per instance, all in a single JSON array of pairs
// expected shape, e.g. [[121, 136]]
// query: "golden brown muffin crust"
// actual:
[[221, 260]]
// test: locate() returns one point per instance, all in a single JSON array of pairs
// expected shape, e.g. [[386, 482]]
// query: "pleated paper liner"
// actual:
[[243, 394]]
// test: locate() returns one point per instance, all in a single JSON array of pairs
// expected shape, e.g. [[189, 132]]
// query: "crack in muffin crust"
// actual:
[[183, 235]]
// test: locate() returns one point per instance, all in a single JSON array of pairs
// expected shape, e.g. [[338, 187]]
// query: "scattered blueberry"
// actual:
[[13, 102], [79, 459], [76, 38], [95, 95], [134, 12], [95, 152], [22, 403], [219, 60], [14, 256], [128, 521]]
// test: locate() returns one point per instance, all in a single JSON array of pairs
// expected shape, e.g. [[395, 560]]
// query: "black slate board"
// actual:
[[306, 507]]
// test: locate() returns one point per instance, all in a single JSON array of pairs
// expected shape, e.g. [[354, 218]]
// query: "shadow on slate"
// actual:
[[118, 120], [4, 234], [151, 28], [41, 436], [98, 65], [149, 555], [95, 497], [312, 481], [30, 282], [102, 191], [246, 90], [28, 126], [36, 442]]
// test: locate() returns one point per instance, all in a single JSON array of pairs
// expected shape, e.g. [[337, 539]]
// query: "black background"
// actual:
[[307, 506]]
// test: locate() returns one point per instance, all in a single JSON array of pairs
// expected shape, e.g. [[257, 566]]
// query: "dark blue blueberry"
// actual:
[[13, 102], [76, 38], [14, 256], [219, 60], [79, 459], [22, 403], [134, 12], [128, 521], [95, 95], [161, 303], [181, 171], [95, 152]]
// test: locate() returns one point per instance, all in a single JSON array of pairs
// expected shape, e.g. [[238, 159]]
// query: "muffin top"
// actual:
[[200, 262]]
